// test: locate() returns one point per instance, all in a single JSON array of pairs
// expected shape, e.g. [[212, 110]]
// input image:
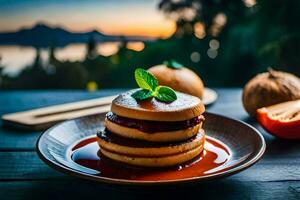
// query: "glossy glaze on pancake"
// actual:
[[185, 107]]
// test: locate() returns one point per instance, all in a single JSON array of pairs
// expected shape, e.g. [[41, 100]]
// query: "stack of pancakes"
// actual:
[[152, 133]]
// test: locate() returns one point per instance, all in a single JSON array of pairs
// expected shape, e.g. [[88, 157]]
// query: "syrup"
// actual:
[[213, 159]]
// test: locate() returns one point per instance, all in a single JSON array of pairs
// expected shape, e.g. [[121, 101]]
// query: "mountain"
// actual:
[[42, 35]]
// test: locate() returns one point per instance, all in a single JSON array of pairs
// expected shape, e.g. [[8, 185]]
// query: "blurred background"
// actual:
[[90, 44]]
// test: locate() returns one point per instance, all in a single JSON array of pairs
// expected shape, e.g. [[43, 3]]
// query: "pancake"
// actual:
[[152, 133], [184, 108], [168, 136], [121, 145], [164, 161]]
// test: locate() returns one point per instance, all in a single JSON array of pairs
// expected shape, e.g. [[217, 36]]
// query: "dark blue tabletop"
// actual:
[[24, 176]]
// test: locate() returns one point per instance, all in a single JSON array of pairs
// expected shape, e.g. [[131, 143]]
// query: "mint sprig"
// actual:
[[150, 88], [173, 64]]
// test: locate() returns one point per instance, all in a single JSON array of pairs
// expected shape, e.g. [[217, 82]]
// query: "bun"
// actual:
[[182, 79]]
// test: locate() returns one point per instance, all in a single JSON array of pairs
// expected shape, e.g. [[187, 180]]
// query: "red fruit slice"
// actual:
[[281, 120]]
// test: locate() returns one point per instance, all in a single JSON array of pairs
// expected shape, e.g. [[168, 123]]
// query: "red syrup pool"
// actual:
[[213, 159]]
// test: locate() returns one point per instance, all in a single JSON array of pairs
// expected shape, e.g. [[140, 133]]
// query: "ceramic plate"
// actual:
[[231, 146], [209, 96]]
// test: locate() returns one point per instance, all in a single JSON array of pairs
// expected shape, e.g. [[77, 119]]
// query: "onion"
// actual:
[[270, 88]]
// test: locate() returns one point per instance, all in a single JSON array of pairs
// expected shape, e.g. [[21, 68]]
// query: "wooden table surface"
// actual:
[[24, 176]]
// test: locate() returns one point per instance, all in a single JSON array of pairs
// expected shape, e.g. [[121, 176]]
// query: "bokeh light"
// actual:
[[195, 57], [249, 3], [219, 22], [199, 30], [92, 86], [212, 53], [214, 44]]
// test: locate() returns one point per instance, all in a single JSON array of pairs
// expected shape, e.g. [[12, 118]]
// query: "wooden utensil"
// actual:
[[43, 118]]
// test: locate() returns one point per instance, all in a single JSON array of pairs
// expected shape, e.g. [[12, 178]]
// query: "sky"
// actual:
[[128, 17]]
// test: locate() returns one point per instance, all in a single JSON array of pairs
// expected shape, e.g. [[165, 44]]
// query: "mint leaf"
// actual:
[[173, 64], [142, 94], [164, 93], [149, 88], [145, 79]]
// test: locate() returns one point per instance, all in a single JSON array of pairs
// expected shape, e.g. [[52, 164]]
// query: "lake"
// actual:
[[15, 58]]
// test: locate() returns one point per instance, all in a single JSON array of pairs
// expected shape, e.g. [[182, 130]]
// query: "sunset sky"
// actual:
[[128, 17]]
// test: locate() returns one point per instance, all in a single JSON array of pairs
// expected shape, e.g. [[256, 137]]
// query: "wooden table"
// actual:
[[24, 176]]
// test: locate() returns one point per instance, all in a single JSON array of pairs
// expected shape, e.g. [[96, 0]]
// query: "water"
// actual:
[[15, 58]]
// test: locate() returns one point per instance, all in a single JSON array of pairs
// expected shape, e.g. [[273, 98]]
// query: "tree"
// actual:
[[91, 52], [278, 34], [213, 15]]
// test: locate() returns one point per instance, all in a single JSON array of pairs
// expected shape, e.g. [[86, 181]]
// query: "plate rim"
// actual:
[[214, 97], [69, 171]]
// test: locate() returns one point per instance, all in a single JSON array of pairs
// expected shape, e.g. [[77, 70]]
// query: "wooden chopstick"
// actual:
[[42, 118]]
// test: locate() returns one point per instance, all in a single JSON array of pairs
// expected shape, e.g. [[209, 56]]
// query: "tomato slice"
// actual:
[[281, 120]]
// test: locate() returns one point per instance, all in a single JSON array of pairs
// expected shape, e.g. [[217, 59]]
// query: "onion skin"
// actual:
[[182, 79], [270, 88]]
